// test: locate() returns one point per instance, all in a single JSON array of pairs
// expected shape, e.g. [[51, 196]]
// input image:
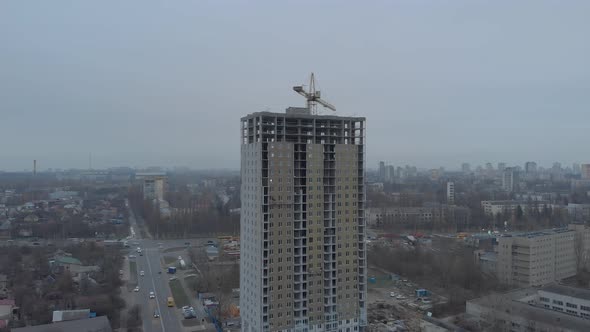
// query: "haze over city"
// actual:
[[294, 166], [143, 84]]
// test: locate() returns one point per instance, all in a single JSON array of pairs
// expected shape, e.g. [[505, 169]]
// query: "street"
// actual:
[[156, 279]]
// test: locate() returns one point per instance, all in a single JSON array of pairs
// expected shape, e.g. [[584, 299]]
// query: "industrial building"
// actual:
[[303, 259]]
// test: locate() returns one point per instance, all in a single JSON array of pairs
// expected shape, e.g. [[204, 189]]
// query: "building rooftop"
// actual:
[[297, 112], [539, 233], [67, 260], [580, 293], [96, 324], [514, 303]]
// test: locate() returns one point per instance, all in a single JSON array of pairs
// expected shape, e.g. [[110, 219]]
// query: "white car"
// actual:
[[141, 273], [132, 256], [392, 294], [136, 289], [152, 295], [400, 297], [179, 257]]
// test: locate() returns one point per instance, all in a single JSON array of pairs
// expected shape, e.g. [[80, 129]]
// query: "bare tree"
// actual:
[[579, 251]]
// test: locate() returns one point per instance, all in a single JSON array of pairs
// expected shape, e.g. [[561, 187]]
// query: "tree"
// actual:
[[134, 318], [519, 213], [579, 251]]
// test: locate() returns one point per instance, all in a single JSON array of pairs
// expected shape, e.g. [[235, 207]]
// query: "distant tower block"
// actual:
[[451, 193]]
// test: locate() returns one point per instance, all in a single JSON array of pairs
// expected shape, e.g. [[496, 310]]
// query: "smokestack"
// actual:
[[35, 167]]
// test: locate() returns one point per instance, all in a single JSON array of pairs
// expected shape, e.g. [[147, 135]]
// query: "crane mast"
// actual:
[[313, 96]]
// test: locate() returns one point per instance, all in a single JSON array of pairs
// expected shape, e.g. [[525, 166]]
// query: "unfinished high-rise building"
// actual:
[[303, 252]]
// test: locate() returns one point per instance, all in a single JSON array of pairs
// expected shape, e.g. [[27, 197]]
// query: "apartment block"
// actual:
[[303, 259], [536, 258], [450, 193], [510, 179], [153, 185]]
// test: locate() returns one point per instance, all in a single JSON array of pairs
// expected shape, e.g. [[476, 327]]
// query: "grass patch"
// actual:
[[132, 275], [190, 322], [174, 249], [191, 282], [169, 260], [133, 272], [178, 293]]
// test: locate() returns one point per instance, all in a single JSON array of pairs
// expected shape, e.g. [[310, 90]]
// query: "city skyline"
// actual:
[[136, 95]]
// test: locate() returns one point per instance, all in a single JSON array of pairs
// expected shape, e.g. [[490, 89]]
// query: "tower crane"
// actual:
[[313, 97]]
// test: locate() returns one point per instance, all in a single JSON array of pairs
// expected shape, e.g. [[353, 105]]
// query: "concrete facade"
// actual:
[[510, 179], [537, 258], [451, 193], [303, 264]]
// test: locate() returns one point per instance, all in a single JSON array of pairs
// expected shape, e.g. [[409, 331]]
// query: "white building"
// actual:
[[536, 258], [508, 208], [551, 308]]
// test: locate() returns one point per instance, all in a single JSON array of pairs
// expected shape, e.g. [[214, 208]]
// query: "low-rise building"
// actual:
[[551, 308], [430, 213], [509, 207]]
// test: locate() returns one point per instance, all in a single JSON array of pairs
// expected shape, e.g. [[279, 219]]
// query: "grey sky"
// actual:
[[164, 83]]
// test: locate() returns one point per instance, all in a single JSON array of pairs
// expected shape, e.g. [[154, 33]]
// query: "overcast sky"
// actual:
[[141, 83]]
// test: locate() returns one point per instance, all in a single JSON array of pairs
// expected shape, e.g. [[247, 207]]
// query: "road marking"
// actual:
[[154, 288]]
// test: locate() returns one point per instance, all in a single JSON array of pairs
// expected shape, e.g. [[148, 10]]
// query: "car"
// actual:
[[152, 295], [179, 257], [120, 272], [141, 273], [400, 297], [188, 244], [173, 278], [392, 294], [140, 254], [136, 289], [156, 314], [132, 256]]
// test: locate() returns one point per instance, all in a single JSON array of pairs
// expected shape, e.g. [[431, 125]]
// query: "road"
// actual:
[[156, 280]]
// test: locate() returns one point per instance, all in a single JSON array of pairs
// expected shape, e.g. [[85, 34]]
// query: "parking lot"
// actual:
[[392, 298]]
